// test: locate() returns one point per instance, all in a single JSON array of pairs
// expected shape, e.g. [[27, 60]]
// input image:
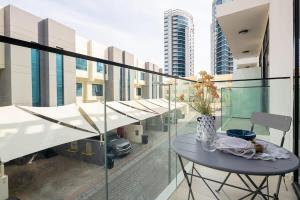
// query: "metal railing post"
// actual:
[[169, 133], [105, 134]]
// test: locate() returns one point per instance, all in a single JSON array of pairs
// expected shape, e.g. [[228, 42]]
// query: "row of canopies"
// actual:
[[25, 130]]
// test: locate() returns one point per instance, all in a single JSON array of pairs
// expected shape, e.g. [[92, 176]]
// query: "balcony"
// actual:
[[154, 110], [111, 138]]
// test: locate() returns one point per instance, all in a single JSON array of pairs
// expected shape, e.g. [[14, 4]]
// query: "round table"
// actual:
[[186, 146]]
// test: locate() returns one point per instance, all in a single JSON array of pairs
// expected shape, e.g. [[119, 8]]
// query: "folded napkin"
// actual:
[[246, 149]]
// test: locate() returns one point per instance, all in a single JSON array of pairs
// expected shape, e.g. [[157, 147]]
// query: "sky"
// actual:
[[132, 25]]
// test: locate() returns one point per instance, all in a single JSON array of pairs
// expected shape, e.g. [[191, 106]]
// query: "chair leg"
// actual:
[[225, 180]]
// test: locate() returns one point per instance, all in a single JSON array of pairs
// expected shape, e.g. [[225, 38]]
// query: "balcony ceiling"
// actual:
[[239, 15]]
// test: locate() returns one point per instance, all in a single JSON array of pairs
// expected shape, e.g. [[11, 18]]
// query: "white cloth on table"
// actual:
[[246, 149]]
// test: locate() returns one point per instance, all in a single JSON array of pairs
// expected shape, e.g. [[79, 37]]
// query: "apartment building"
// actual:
[[178, 43], [260, 36], [46, 79], [89, 74], [49, 79]]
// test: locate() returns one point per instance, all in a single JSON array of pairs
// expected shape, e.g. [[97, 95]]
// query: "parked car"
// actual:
[[118, 146]]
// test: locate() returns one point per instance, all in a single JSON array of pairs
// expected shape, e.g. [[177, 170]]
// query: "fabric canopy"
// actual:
[[153, 106], [68, 114], [95, 111], [178, 104], [22, 133], [25, 130], [162, 103], [135, 113], [137, 105]]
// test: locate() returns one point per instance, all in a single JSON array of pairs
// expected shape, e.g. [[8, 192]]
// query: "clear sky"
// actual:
[[132, 25]]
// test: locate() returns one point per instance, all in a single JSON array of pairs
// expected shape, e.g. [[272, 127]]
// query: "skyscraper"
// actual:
[[178, 43], [221, 57]]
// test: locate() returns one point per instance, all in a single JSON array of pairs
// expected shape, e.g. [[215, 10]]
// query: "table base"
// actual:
[[252, 192]]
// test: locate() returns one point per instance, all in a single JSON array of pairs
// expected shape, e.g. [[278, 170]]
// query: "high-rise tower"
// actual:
[[178, 43], [221, 57]]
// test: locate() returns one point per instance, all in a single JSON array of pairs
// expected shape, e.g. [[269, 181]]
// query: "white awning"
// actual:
[[95, 112], [178, 104], [135, 113], [137, 105], [162, 103], [153, 106], [22, 133], [68, 114]]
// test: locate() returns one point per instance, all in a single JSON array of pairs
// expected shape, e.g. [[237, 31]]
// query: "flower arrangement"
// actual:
[[205, 93]]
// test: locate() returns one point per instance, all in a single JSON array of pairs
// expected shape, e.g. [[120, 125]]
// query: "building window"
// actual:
[[142, 76], [139, 91], [81, 64], [97, 90], [35, 77], [60, 79], [100, 67], [79, 89]]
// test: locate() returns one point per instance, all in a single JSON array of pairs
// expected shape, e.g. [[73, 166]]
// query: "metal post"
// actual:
[[175, 118], [4, 182], [2, 173], [296, 86], [169, 132], [105, 134]]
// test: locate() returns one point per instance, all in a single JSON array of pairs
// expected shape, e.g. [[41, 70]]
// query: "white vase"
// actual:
[[206, 132]]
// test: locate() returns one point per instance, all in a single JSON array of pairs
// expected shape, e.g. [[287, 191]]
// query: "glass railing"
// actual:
[[112, 138]]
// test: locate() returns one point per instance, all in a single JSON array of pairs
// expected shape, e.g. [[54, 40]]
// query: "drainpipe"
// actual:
[[3, 183]]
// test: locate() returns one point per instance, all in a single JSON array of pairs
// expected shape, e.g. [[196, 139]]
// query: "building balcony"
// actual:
[[82, 74], [244, 24]]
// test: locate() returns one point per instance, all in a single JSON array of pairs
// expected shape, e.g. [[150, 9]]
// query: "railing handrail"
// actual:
[[58, 50]]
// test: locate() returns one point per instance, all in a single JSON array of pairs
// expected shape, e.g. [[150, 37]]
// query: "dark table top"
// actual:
[[189, 148]]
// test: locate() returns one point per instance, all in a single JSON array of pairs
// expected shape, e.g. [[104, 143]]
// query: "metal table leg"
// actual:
[[191, 180], [225, 180], [203, 179], [258, 189], [278, 188], [186, 178]]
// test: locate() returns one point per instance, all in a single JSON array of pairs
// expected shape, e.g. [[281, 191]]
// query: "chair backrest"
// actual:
[[279, 122]]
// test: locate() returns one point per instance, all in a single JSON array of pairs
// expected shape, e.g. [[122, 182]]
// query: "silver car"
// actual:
[[118, 146]]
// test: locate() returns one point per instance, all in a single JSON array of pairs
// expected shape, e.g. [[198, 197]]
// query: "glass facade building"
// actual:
[[178, 43], [221, 57], [59, 79], [35, 75]]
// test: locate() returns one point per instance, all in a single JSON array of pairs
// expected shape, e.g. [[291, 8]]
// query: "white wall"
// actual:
[[130, 133], [81, 48], [281, 62], [16, 77]]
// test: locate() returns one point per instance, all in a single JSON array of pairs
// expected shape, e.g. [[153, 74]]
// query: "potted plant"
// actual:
[[205, 95]]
